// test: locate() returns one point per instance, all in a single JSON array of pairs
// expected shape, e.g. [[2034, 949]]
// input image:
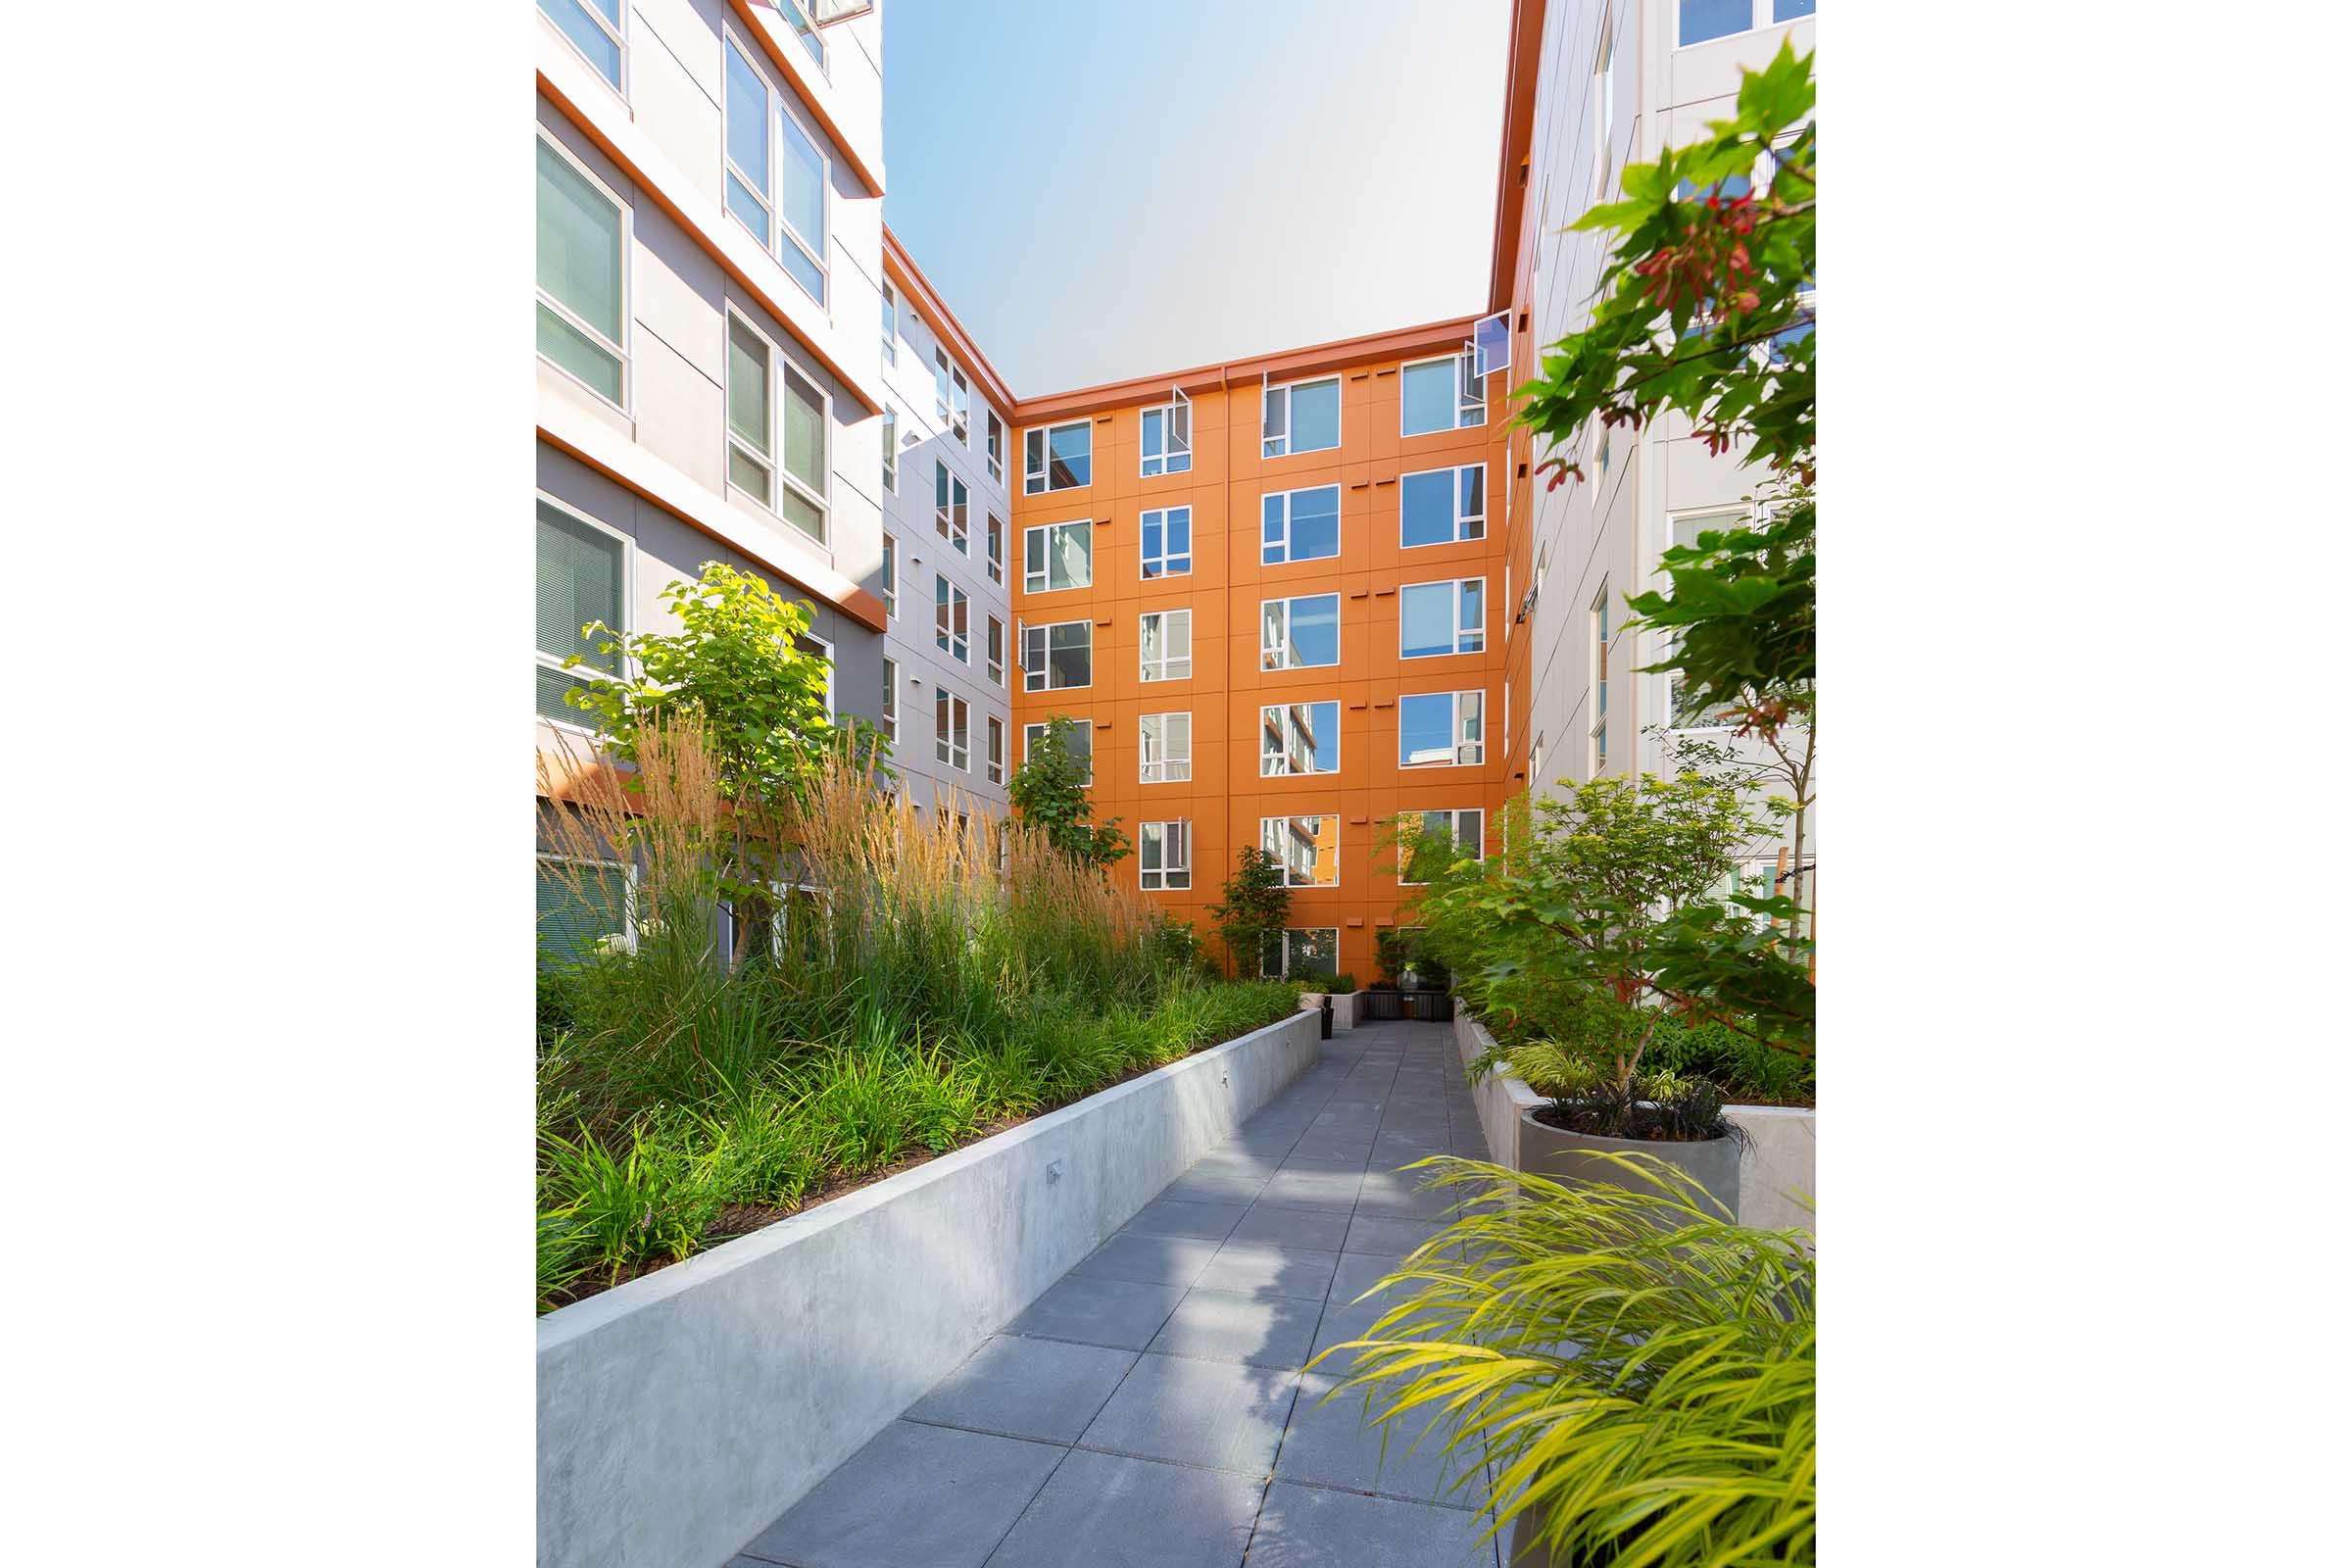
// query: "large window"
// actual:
[[1443, 506], [594, 28], [952, 740], [1298, 633], [1057, 555], [1164, 753], [584, 579], [1308, 847], [996, 751], [1167, 535], [1165, 638], [774, 411], [1303, 417], [778, 179], [1684, 710], [1081, 743], [889, 324], [1297, 738], [890, 450], [1444, 394], [580, 904], [1167, 438], [951, 608], [1058, 458], [996, 652], [996, 548], [797, 17], [1442, 617], [1302, 952], [1598, 734], [583, 280], [1299, 526], [1058, 657], [889, 577], [996, 446], [1163, 854], [955, 397], [951, 506], [942, 400], [1703, 20], [1441, 729], [890, 701], [1429, 841]]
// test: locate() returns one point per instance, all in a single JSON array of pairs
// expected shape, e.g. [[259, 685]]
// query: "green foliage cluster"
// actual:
[[1255, 910], [1050, 791], [1637, 1370]]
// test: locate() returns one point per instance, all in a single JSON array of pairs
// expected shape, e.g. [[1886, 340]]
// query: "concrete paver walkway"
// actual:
[[1148, 1410]]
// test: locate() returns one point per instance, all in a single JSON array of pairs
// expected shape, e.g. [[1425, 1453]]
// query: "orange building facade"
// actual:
[[1276, 591]]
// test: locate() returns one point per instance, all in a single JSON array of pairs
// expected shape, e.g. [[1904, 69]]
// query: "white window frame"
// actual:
[[1041, 681], [1039, 579], [813, 42], [1144, 561], [889, 700], [1164, 668], [1290, 931], [889, 324], [943, 407], [1339, 525], [995, 750], [780, 105], [962, 417], [628, 893], [1759, 17], [544, 659], [1279, 446], [1170, 769], [889, 577], [1176, 863], [1465, 640], [1462, 515], [952, 517], [1282, 651], [1316, 818], [890, 451], [1597, 737], [1454, 827], [1718, 518], [779, 366], [996, 652], [1455, 760], [1464, 374], [996, 548], [1279, 723], [824, 648], [628, 317], [1174, 456], [957, 609], [1036, 480], [618, 33], [1030, 732], [944, 748], [996, 446]]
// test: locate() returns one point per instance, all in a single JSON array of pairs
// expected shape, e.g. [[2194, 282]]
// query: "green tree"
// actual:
[[1049, 789], [1255, 909]]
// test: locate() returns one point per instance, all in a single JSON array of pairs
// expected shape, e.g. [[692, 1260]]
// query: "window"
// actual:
[[1169, 542], [1308, 847], [762, 385], [1298, 633], [804, 26], [996, 548], [1605, 105], [1082, 745], [1599, 732], [582, 276], [1167, 438], [1303, 417], [1165, 637], [889, 324], [1535, 763], [580, 904], [951, 504], [889, 577], [995, 650], [1058, 555], [996, 751], [890, 450], [582, 578], [1165, 752], [952, 739], [943, 403], [964, 407], [1443, 506], [1058, 657], [1163, 854], [1442, 729], [777, 179], [1299, 526], [1442, 617], [1443, 395], [1703, 20], [996, 446], [890, 701], [953, 609], [1682, 711], [1058, 458], [1297, 738], [1428, 841], [1297, 953], [594, 28], [818, 647]]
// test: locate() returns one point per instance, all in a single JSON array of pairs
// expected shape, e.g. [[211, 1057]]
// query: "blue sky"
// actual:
[[1107, 188]]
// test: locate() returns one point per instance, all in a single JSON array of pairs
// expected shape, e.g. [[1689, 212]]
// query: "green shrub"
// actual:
[[1341, 985]]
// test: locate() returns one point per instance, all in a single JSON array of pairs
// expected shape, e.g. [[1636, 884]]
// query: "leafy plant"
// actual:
[[1049, 789], [1255, 910], [1637, 1370], [1341, 985]]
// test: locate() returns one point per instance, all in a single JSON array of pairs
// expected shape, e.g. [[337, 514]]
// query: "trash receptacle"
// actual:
[[1327, 1016]]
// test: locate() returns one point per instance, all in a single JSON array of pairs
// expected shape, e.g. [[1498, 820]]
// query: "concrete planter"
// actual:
[[681, 1412], [1545, 1150], [1346, 1007]]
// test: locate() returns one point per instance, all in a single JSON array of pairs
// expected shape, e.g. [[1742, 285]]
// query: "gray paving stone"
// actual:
[[1105, 1509], [1329, 1190], [1092, 1310], [1270, 1330], [1391, 1238], [1340, 1324], [916, 1496], [1322, 1162], [1318, 1230], [1333, 1145], [1401, 1195], [1333, 1444], [1258, 1269], [1196, 1186], [1019, 1388], [1313, 1527], [1221, 1414], [1152, 1260], [1356, 1273], [1171, 1216]]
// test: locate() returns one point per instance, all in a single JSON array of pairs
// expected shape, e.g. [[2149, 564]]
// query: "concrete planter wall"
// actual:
[[1346, 1007], [681, 1412], [1777, 1160]]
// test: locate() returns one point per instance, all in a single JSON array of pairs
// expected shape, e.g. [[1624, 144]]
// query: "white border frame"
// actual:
[[1048, 626], [1456, 470], [1184, 828], [1290, 426], [780, 365], [1167, 412], [1454, 826], [628, 348], [1163, 513], [1028, 528], [1286, 951], [543, 659], [1664, 648], [944, 524], [1461, 367], [1337, 709], [1454, 760], [955, 592], [1759, 18], [1301, 816], [1170, 759], [1484, 610], [1041, 723], [1337, 628], [628, 866], [1338, 523], [620, 34], [1049, 488], [996, 672], [1143, 665], [941, 692]]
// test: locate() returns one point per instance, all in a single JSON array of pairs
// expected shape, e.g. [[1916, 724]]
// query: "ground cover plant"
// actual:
[[904, 996]]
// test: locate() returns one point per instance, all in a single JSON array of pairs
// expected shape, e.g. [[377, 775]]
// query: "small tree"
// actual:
[[1049, 789], [1255, 909]]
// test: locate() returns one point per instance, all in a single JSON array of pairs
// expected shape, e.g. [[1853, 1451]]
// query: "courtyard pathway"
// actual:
[[1148, 1410]]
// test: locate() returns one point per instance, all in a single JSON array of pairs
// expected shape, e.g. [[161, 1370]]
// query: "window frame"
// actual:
[[1179, 865], [1453, 815], [1759, 17], [1316, 818], [1458, 584], [889, 324], [1734, 514], [996, 652], [961, 416], [1464, 371], [1286, 772], [626, 865], [890, 451], [1031, 729], [780, 104], [995, 750], [1460, 516], [1266, 407], [889, 577], [1168, 762], [1287, 601], [618, 33], [996, 548], [1144, 556], [1046, 630], [779, 366], [952, 514], [1040, 579], [996, 446], [541, 658], [1339, 524], [1290, 931], [1144, 663], [1454, 757], [945, 701], [1597, 736], [1037, 480], [890, 701], [628, 272], [951, 619], [1166, 457]]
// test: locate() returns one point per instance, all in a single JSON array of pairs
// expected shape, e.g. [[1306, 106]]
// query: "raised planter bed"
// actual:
[[1346, 1007], [682, 1411]]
